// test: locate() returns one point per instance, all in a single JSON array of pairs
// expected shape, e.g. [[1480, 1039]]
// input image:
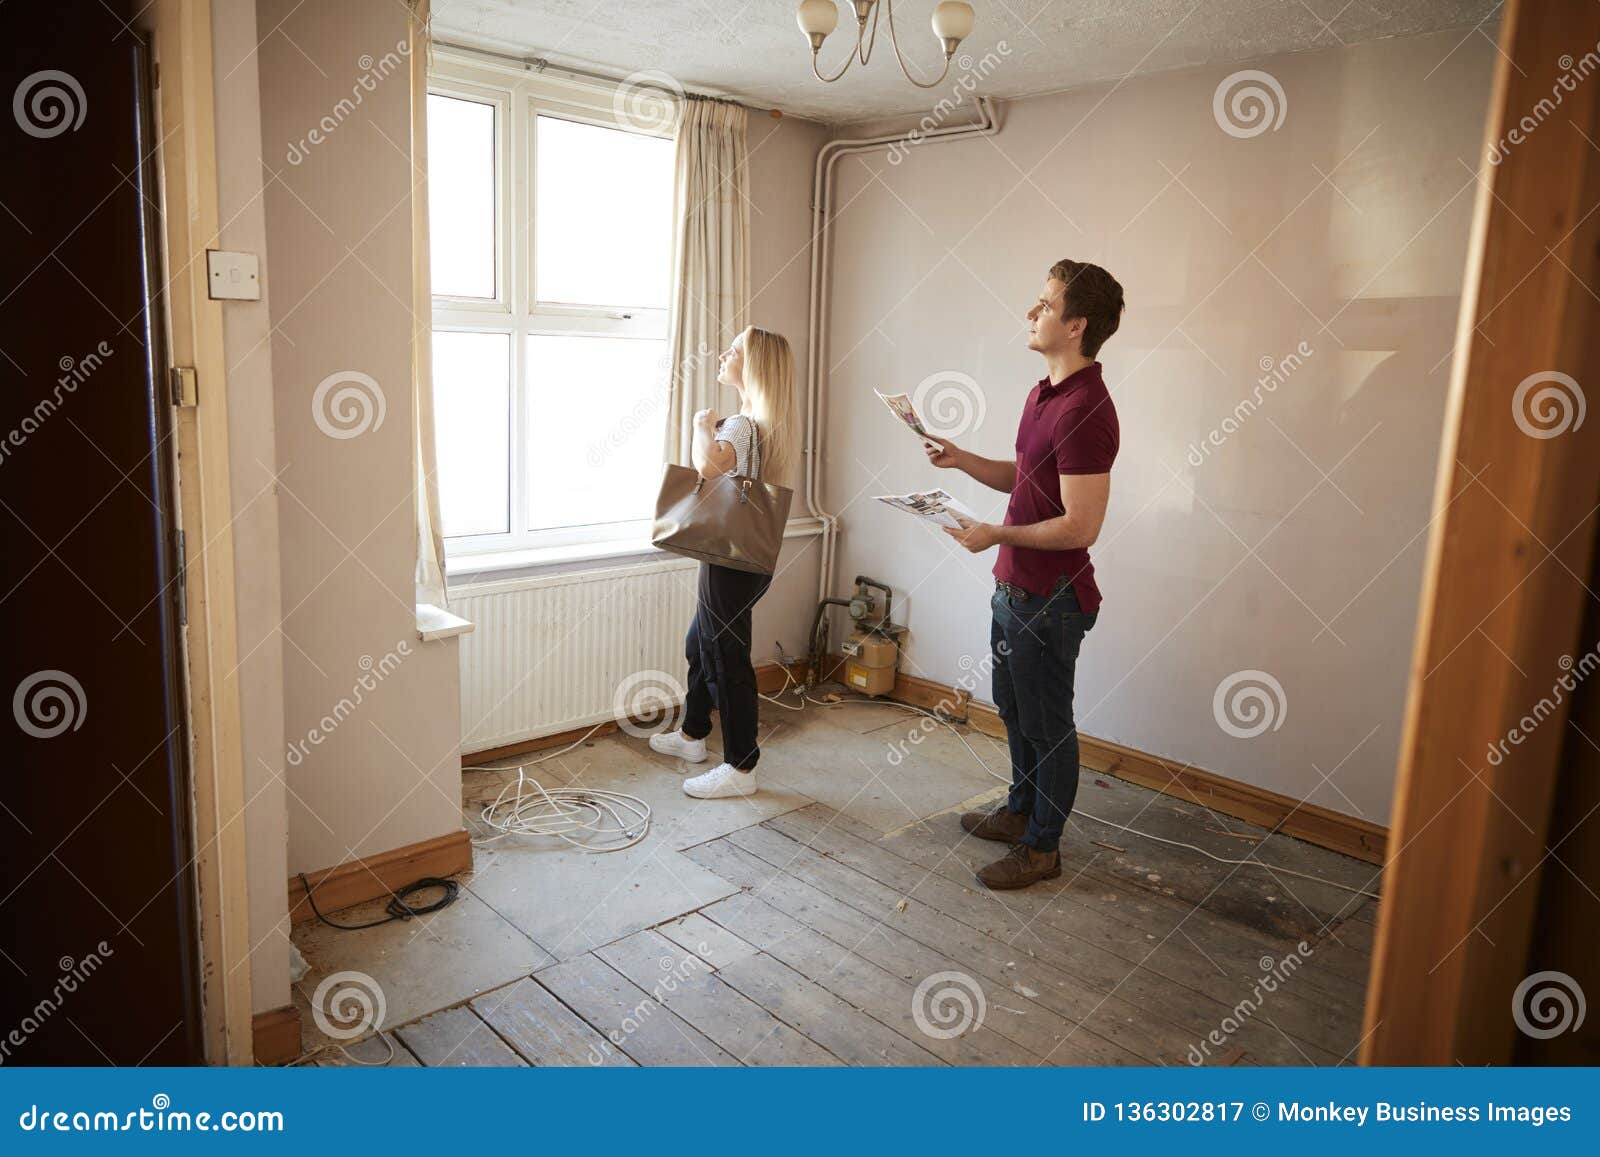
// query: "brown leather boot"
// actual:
[[1020, 867], [996, 824]]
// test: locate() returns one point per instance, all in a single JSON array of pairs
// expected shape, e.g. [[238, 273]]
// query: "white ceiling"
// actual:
[[753, 50]]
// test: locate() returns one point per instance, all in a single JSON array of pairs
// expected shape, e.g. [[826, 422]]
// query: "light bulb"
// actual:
[[952, 21], [817, 18]]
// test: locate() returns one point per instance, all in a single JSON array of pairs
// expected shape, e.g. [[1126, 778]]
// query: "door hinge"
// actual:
[[182, 580], [183, 386]]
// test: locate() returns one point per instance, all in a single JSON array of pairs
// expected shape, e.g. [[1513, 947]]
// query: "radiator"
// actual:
[[561, 651]]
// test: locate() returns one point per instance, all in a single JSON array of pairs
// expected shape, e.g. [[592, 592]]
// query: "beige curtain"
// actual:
[[711, 260], [430, 580]]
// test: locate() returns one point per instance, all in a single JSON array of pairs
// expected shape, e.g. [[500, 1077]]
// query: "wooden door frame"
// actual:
[[1504, 584], [179, 35]]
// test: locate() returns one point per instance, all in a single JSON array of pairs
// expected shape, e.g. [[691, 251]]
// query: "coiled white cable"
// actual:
[[587, 818], [614, 820]]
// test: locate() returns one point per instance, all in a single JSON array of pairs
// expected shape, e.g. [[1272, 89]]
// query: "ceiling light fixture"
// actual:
[[952, 23]]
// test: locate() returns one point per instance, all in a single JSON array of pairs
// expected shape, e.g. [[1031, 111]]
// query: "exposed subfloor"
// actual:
[[834, 919]]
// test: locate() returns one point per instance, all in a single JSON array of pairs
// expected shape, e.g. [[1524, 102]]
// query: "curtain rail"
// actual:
[[541, 64]]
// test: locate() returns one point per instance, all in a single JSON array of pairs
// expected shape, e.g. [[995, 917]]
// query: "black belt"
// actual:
[[1016, 592]]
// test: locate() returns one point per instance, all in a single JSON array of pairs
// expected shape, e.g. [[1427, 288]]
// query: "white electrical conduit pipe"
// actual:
[[817, 343]]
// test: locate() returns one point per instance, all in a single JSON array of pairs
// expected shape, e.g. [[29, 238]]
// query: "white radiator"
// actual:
[[562, 651]]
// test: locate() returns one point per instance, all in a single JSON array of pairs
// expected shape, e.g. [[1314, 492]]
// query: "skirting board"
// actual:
[[1280, 813], [559, 739], [370, 877], [275, 1035], [1322, 826]]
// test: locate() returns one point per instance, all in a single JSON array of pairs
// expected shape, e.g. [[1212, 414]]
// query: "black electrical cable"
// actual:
[[397, 907]]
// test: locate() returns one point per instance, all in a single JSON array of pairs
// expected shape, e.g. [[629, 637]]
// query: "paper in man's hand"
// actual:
[[937, 506], [900, 406]]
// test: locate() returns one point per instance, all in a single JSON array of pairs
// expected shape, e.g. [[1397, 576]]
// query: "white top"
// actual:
[[738, 431]]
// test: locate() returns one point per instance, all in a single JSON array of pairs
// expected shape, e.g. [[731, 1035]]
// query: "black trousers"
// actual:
[[721, 674]]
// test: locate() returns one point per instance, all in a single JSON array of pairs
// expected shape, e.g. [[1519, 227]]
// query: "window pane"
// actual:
[[602, 215], [461, 167], [471, 430], [597, 418]]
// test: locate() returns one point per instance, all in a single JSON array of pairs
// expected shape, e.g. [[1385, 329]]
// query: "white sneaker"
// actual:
[[723, 781], [676, 743]]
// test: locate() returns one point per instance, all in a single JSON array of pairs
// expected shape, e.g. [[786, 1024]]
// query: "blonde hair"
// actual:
[[769, 400]]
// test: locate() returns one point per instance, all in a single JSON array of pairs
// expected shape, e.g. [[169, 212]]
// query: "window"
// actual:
[[461, 199], [551, 254], [602, 215], [472, 430]]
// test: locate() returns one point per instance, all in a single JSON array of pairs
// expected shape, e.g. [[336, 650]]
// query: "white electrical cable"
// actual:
[[614, 820], [348, 1055], [542, 758], [788, 681], [585, 817], [1087, 815]]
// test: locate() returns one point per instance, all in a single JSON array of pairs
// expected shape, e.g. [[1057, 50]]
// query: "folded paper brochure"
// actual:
[[937, 506], [901, 407]]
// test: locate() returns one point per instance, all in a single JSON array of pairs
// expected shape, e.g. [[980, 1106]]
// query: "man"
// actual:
[[1045, 597]]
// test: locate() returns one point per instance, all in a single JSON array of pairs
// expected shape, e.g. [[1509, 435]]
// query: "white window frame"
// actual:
[[519, 99]]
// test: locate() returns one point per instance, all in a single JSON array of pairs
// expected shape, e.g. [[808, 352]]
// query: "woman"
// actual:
[[757, 442]]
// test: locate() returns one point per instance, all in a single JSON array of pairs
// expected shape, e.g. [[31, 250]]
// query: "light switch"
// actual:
[[233, 276]]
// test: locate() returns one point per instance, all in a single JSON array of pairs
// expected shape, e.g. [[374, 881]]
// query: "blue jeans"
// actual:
[[1034, 642]]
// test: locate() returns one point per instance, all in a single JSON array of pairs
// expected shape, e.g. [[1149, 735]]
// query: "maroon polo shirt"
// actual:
[[1067, 427]]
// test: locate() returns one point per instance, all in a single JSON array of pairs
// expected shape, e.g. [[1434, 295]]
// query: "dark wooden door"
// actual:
[[97, 899]]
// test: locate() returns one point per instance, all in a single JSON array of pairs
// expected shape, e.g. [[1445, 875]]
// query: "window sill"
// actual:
[[551, 557], [435, 623]]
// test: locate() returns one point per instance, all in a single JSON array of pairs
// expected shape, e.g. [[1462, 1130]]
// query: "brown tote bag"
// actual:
[[728, 520]]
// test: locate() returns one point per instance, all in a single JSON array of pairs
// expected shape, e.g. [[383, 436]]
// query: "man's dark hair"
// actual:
[[1092, 294]]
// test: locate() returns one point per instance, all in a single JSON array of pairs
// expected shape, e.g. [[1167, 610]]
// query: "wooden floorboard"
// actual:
[[1358, 934], [1094, 910], [1299, 908], [1367, 913], [842, 1029], [1330, 957], [1140, 1010], [628, 1016], [708, 940], [952, 855], [1037, 1010], [886, 998], [1087, 902], [457, 1038], [544, 1031], [1082, 941], [687, 986]]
